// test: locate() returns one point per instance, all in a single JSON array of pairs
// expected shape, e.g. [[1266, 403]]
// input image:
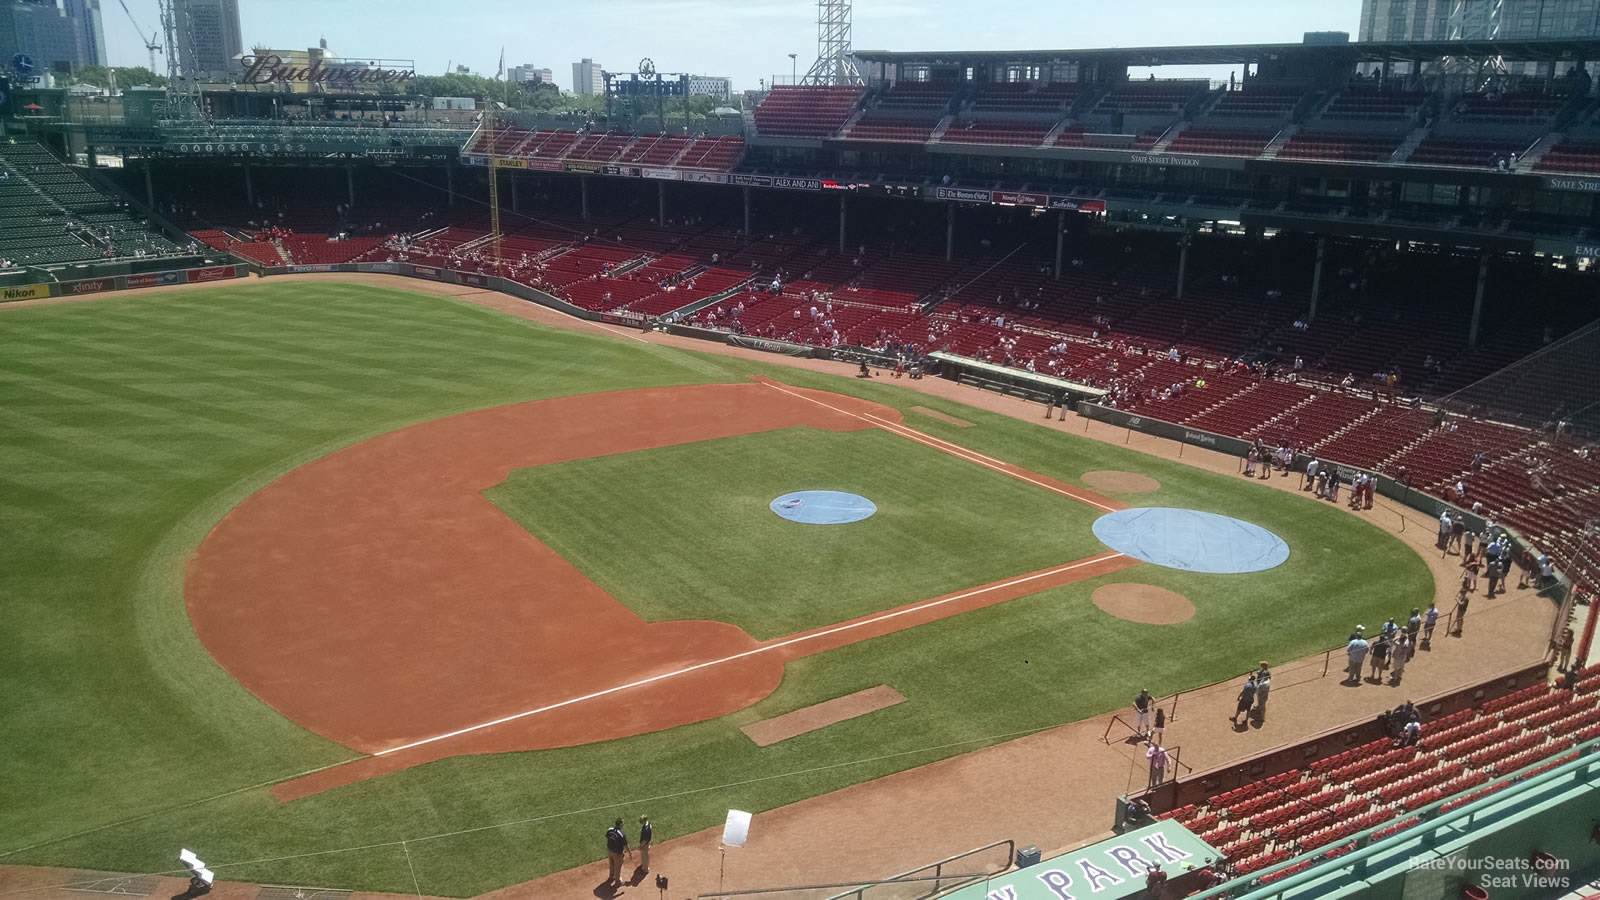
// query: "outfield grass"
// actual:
[[685, 532], [132, 425]]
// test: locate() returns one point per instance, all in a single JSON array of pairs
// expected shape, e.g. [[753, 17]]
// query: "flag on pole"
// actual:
[[502, 68]]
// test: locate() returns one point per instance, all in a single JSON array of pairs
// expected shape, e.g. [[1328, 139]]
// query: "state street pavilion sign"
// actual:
[[270, 68]]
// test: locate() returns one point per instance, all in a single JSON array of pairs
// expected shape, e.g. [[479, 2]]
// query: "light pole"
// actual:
[[794, 69]]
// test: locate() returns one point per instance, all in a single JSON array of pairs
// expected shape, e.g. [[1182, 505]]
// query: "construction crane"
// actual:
[[150, 43]]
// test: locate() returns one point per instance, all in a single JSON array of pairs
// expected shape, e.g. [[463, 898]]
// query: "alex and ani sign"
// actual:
[[271, 69]]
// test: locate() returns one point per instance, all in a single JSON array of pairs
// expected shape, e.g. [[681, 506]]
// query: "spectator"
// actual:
[[1399, 655], [1141, 712], [1247, 700], [1461, 614], [1428, 621], [1263, 687], [1356, 655], [1380, 656], [1157, 755]]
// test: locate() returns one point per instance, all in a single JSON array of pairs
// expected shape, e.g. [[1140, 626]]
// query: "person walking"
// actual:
[[1561, 650], [1158, 733], [616, 847], [1263, 687], [646, 835], [1141, 712], [1355, 655], [1428, 621], [1247, 700], [1157, 755]]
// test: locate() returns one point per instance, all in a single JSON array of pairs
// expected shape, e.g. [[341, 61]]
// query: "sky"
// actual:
[[746, 39]]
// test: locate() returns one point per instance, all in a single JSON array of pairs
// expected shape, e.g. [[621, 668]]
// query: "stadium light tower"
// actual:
[[836, 63]]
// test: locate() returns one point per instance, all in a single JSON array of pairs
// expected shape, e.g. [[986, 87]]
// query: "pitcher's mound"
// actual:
[[1144, 603], [1112, 482]]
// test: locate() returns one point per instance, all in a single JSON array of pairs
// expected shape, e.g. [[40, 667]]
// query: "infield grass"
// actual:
[[686, 532], [132, 425]]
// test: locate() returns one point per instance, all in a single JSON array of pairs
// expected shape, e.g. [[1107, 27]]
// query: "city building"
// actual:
[[42, 31], [588, 78], [718, 86], [209, 36], [1477, 20], [528, 73], [85, 15]]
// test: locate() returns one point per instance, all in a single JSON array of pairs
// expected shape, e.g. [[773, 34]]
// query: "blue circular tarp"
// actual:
[[823, 507], [1191, 540]]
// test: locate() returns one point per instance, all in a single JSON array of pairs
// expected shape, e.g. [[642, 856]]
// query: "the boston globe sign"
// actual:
[[335, 74]]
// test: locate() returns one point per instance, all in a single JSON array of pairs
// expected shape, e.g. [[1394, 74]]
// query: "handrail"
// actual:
[[855, 888], [1587, 758]]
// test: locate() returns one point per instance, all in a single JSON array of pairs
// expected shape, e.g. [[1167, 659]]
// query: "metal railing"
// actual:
[[922, 882]]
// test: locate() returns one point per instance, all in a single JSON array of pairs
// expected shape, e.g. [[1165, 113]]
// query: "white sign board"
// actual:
[[737, 831]]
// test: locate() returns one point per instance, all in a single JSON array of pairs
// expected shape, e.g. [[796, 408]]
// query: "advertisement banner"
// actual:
[[154, 279], [88, 286], [213, 273], [509, 163], [1016, 198], [1118, 866], [1572, 183], [792, 184], [661, 174], [705, 177], [1075, 204], [25, 292], [472, 278], [391, 268], [583, 167], [623, 317], [543, 165], [963, 195], [325, 267], [426, 272]]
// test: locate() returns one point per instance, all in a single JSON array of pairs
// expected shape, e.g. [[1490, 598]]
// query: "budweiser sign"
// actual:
[[271, 69]]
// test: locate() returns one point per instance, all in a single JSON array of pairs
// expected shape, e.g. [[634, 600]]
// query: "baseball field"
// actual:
[[358, 587]]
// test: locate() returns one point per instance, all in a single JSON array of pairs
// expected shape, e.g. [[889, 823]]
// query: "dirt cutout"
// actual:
[[1144, 603], [943, 417], [831, 712], [1109, 481]]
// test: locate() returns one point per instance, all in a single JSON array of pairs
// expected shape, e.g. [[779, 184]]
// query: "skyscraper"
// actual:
[[209, 36], [85, 16], [41, 30], [588, 78], [1478, 20]]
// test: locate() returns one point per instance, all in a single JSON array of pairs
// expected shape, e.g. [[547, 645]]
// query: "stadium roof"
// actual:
[[1227, 54]]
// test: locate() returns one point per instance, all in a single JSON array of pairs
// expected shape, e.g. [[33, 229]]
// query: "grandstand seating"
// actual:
[[1147, 97], [1025, 97], [875, 126], [999, 131], [1522, 108], [1368, 102], [1259, 101], [929, 96], [1575, 155], [1443, 151], [1220, 141], [49, 214], [1330, 799], [811, 111], [1339, 145]]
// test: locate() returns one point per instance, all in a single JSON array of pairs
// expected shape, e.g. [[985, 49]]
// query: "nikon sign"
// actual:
[[272, 69]]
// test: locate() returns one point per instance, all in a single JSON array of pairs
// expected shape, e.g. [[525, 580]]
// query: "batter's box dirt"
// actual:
[[110, 883]]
